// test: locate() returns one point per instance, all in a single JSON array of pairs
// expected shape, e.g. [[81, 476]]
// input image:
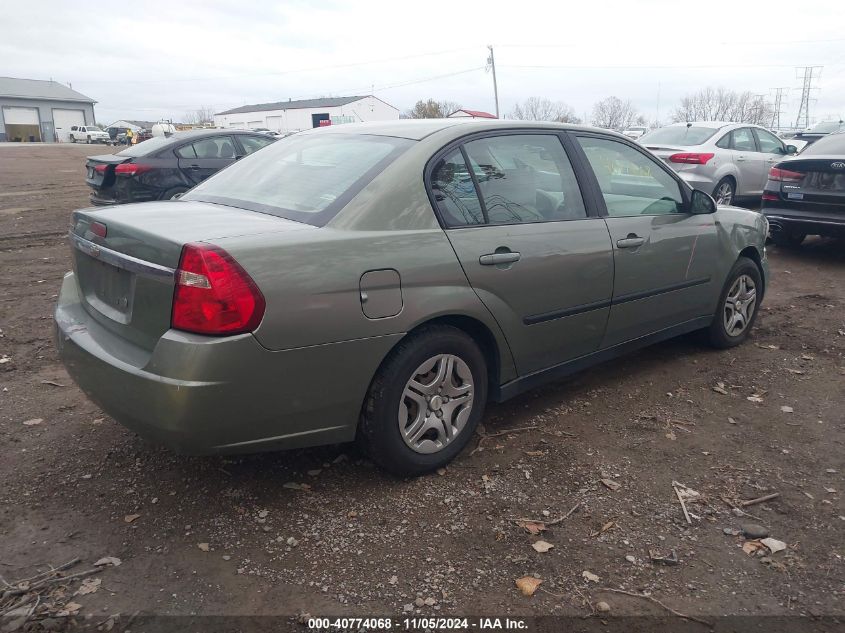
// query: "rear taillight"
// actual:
[[785, 175], [131, 169], [99, 229], [100, 169], [691, 158], [771, 197], [213, 294]]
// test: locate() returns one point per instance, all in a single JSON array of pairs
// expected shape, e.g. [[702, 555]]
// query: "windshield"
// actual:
[[145, 148], [306, 178], [678, 135], [833, 144]]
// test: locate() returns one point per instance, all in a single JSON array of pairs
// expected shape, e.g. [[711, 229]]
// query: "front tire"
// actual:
[[738, 305], [425, 401], [72, 139], [725, 191], [88, 140]]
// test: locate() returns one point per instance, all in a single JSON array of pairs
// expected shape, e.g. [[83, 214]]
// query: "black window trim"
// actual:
[[685, 188], [591, 207]]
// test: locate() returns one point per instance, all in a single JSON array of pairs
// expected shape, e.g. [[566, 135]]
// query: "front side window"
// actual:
[[525, 178], [630, 182], [769, 143], [454, 191], [744, 140], [253, 143], [307, 178]]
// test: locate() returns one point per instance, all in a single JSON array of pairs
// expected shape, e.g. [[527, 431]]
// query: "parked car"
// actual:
[[728, 160], [88, 134], [634, 132], [819, 131], [163, 167], [385, 280], [805, 194]]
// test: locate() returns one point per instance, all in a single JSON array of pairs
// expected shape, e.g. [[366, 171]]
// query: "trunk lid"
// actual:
[[100, 170], [126, 278], [823, 182]]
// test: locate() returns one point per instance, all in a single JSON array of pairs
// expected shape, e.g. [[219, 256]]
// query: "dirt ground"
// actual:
[[322, 531]]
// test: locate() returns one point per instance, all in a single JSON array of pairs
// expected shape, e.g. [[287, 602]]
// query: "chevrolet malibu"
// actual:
[[382, 282]]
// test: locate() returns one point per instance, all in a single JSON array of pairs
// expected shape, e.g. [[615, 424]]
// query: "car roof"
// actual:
[[418, 129]]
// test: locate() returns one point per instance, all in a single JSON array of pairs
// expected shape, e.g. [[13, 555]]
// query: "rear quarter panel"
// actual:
[[740, 229]]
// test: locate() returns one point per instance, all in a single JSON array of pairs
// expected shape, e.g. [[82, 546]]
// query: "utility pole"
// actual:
[[809, 74], [492, 62]]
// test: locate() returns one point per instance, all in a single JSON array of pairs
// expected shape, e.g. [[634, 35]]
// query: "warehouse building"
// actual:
[[294, 116], [34, 111]]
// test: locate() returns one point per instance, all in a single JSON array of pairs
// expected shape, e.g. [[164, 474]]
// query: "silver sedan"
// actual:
[[729, 160]]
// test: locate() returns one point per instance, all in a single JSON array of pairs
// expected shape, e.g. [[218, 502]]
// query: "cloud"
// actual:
[[161, 59]]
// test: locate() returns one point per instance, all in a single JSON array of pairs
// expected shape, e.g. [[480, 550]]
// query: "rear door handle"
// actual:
[[740, 158], [632, 241], [491, 259], [194, 166]]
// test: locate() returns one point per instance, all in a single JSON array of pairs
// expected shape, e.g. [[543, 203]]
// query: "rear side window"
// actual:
[[525, 178], [186, 151], [307, 178], [724, 142]]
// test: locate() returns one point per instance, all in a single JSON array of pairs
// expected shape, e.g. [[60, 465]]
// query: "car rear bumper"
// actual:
[[203, 395], [811, 222]]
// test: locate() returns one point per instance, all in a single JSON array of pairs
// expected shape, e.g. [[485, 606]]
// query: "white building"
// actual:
[[294, 116]]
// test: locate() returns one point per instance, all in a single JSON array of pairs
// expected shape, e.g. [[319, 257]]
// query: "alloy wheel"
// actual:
[[436, 403], [724, 193], [740, 305]]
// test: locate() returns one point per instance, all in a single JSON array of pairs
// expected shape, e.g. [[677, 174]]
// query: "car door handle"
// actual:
[[491, 259], [632, 241], [740, 158]]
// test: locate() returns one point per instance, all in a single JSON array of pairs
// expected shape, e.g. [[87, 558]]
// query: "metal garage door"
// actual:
[[20, 116], [274, 123], [64, 119], [254, 124]]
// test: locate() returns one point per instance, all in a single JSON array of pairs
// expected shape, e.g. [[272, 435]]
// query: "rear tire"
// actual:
[[170, 193], [725, 191], [425, 402], [739, 304], [788, 239]]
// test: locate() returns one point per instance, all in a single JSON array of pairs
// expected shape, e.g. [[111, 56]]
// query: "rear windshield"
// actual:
[[145, 148], [826, 127], [833, 144], [307, 178], [678, 135]]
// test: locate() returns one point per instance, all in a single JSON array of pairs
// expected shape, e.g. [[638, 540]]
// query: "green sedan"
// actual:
[[381, 282]]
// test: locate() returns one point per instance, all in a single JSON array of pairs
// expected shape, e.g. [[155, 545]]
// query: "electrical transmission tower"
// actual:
[[777, 106], [810, 74]]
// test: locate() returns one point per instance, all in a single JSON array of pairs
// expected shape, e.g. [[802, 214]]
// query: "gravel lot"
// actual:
[[322, 531]]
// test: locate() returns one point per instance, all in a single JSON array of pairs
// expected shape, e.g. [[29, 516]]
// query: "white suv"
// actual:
[[89, 134]]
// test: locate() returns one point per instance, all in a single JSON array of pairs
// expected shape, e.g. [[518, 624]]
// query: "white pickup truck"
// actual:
[[89, 134]]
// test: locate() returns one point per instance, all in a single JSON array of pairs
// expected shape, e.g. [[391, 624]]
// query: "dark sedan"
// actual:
[[805, 194], [164, 167]]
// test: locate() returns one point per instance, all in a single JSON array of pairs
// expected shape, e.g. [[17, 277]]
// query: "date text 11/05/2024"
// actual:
[[416, 624]]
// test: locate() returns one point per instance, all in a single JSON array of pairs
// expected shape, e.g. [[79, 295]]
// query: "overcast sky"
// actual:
[[151, 59]]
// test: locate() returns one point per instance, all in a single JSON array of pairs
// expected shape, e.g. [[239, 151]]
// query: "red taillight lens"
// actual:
[[99, 229], [131, 169], [771, 197], [693, 158], [100, 169], [785, 175], [213, 294]]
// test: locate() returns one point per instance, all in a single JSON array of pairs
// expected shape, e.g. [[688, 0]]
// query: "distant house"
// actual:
[[37, 111], [471, 114], [293, 116]]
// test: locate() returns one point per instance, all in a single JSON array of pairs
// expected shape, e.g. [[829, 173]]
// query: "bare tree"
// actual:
[[720, 104], [614, 114], [431, 109], [200, 116], [542, 109]]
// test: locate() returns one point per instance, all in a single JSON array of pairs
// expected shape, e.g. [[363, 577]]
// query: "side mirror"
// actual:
[[702, 203], [791, 149]]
